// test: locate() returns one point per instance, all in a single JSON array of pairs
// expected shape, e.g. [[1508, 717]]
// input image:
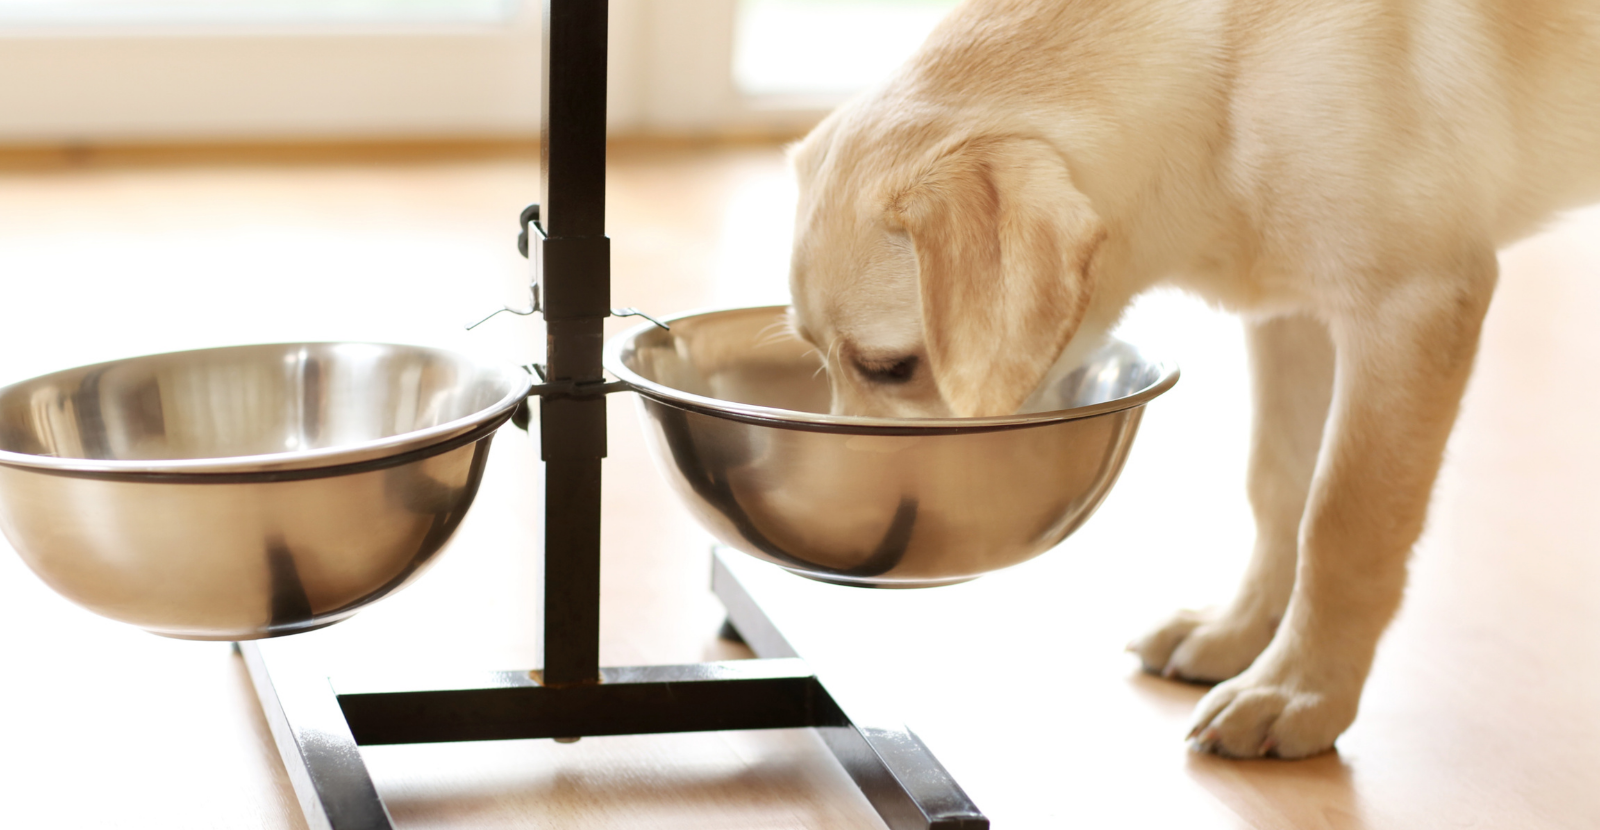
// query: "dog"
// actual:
[[1340, 173]]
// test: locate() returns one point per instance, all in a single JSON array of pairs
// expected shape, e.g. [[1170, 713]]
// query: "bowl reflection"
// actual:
[[245, 492], [735, 414]]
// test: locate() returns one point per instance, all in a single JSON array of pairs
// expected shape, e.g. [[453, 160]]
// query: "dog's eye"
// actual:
[[888, 371]]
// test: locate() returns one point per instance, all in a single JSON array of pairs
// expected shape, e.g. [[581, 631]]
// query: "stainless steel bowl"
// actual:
[[238, 493], [735, 415]]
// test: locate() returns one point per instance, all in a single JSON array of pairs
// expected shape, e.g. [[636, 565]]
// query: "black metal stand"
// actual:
[[319, 723]]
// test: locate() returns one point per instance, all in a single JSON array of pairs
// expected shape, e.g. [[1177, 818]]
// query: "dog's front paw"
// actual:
[[1203, 646], [1275, 708]]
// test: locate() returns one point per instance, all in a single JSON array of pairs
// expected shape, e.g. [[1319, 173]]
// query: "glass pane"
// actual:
[[827, 47], [117, 12]]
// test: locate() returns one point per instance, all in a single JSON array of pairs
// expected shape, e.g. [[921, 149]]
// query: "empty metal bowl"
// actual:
[[735, 414], [246, 492]]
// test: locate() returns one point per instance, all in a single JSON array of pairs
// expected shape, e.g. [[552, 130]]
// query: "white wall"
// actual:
[[670, 73], [246, 83]]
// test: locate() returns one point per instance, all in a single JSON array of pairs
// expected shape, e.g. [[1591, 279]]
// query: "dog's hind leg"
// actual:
[[1291, 362], [1404, 356]]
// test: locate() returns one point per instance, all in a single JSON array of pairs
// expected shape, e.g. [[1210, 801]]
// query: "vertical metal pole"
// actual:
[[577, 299]]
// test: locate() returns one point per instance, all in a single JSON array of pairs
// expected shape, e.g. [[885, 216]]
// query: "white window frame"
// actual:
[[671, 73], [232, 81]]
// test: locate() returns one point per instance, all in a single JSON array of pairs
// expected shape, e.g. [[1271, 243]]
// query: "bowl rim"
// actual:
[[518, 380], [858, 424]]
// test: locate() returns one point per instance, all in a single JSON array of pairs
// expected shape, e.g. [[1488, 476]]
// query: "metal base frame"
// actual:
[[319, 723]]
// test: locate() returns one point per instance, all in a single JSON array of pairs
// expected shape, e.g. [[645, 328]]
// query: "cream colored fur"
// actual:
[[1339, 172]]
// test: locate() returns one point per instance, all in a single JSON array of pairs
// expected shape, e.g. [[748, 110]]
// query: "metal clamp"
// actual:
[[522, 416], [530, 216], [533, 308], [629, 311], [573, 389]]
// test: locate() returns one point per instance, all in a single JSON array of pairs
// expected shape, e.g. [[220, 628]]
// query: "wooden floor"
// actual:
[[1483, 710]]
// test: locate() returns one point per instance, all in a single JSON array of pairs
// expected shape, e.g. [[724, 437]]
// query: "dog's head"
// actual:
[[939, 274]]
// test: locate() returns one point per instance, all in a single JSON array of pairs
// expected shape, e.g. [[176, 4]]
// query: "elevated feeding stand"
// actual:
[[319, 723]]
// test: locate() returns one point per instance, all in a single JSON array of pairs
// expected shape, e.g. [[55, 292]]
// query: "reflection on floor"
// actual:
[[1481, 710]]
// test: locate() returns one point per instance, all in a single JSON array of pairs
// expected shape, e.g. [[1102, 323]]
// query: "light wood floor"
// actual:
[[1483, 709]]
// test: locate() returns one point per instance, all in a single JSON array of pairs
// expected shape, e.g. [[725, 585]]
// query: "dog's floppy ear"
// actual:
[[1004, 246]]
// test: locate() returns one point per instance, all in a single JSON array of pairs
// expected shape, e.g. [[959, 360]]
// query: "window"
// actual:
[[142, 70], [182, 70], [827, 47], [755, 66], [192, 12]]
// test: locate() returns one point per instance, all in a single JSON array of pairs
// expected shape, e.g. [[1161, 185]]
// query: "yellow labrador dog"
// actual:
[[1340, 172]]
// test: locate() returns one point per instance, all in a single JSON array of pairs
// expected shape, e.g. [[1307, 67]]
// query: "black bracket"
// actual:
[[547, 388], [571, 389], [320, 723]]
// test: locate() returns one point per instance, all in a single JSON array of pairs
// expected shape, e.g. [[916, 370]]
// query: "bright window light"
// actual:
[[138, 12], [827, 47]]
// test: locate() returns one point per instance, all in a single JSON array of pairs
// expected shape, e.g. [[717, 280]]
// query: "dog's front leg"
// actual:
[[1402, 364], [1291, 363]]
